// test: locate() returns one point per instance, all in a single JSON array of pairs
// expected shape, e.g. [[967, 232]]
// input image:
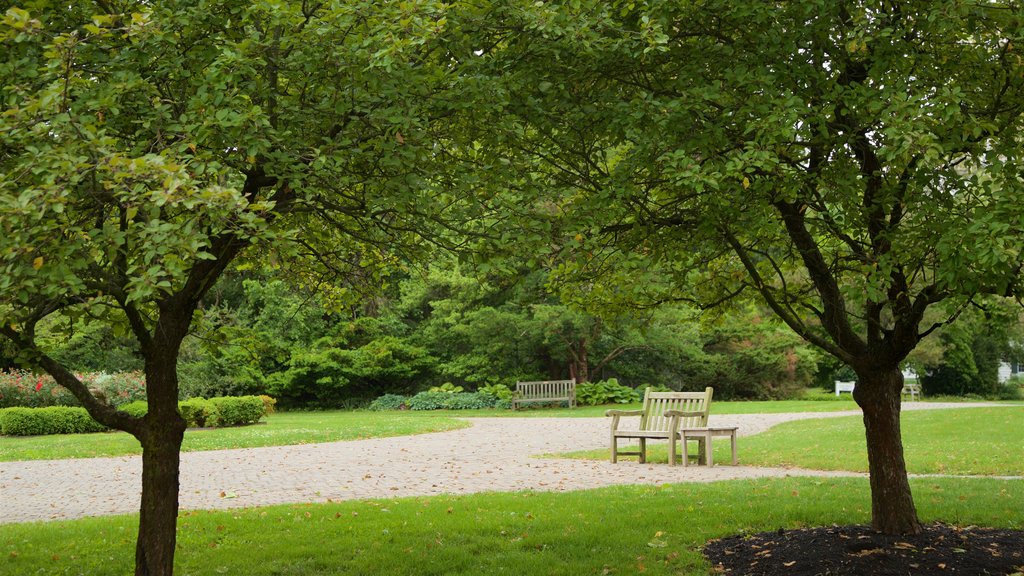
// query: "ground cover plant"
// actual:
[[282, 428], [654, 530], [976, 441]]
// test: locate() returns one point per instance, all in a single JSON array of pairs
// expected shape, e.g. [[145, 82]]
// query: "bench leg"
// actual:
[[709, 452], [732, 438], [672, 451], [615, 449], [686, 452], [643, 450]]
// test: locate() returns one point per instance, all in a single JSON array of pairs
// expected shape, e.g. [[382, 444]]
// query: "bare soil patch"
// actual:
[[848, 550]]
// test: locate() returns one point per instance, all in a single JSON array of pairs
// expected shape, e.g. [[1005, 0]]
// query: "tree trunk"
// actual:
[[163, 432], [582, 362], [892, 504]]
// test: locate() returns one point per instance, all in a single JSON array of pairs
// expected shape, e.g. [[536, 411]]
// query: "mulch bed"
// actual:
[[842, 550]]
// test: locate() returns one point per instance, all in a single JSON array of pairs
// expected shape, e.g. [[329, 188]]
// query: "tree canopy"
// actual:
[[146, 146], [852, 165]]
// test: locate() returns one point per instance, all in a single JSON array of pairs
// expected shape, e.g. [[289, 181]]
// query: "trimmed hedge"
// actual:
[[197, 412], [239, 410], [50, 420], [449, 401]]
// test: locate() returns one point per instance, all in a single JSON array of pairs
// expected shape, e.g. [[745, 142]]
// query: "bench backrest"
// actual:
[[657, 403], [546, 389], [842, 386]]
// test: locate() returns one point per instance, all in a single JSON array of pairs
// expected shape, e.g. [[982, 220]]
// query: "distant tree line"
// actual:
[[262, 335]]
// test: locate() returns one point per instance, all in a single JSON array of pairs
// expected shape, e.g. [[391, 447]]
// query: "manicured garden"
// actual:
[[285, 428], [790, 444], [621, 530]]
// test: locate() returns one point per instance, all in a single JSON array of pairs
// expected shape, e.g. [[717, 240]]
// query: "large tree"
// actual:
[[851, 164], [145, 146]]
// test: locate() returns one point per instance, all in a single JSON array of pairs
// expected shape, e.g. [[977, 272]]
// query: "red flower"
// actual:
[[39, 385]]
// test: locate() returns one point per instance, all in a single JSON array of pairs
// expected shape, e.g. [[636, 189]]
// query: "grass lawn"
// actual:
[[981, 441], [621, 530], [280, 429]]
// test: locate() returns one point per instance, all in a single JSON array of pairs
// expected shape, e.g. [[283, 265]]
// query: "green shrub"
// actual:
[[390, 402], [50, 420], [269, 402], [605, 392], [429, 401], [447, 387], [499, 391], [1009, 390], [199, 413], [470, 401], [238, 410], [451, 401], [138, 408], [21, 422]]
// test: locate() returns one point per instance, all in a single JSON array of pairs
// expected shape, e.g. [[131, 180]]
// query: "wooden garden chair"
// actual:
[[661, 418]]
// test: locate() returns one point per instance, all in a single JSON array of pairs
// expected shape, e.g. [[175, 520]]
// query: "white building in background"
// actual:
[[1008, 370]]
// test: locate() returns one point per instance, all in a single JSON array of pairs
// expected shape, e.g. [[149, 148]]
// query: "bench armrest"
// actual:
[[671, 413], [624, 413]]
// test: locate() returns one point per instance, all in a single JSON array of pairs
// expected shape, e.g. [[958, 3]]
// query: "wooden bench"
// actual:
[[844, 387], [911, 391], [669, 416], [546, 391]]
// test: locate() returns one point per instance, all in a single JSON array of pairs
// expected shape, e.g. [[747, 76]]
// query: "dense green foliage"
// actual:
[[49, 420], [214, 412], [447, 328], [850, 165], [390, 402], [963, 358], [605, 392], [197, 412]]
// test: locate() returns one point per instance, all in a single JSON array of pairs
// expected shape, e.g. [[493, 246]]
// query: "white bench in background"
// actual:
[[842, 386], [911, 391]]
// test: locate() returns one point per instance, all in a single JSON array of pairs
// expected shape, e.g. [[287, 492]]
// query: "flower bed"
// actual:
[[25, 389]]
